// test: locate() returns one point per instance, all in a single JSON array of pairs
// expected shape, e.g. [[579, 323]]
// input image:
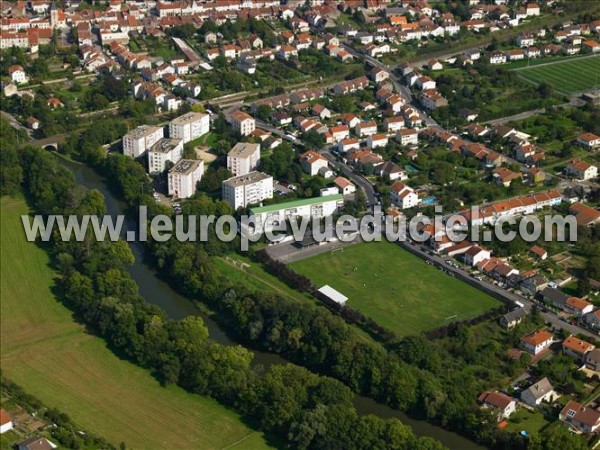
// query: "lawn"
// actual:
[[525, 420], [395, 288], [54, 359], [567, 77]]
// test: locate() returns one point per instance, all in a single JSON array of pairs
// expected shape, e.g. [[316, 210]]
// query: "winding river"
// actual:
[[158, 292]]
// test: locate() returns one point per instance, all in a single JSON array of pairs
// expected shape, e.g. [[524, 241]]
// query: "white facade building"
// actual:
[[248, 189], [243, 158], [166, 149], [268, 217], [190, 126], [184, 176], [137, 141]]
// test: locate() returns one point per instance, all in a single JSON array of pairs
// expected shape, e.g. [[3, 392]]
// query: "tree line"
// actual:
[[302, 408]]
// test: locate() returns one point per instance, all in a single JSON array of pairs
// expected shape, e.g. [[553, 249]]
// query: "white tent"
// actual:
[[333, 295]]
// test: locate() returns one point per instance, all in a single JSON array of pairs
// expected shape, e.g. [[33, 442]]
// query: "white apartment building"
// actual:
[[268, 217], [243, 123], [190, 126], [137, 141], [184, 176], [166, 149], [243, 158], [248, 189]]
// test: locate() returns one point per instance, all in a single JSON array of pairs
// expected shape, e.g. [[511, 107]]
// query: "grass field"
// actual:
[[395, 288], [566, 77], [54, 359]]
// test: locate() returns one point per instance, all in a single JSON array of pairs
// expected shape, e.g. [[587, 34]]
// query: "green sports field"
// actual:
[[54, 359], [567, 76], [394, 287]]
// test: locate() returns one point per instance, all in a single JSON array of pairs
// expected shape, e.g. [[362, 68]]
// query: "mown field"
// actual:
[[566, 77], [395, 288], [54, 359]]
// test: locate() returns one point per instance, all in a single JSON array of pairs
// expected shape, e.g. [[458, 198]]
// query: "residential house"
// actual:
[[576, 348], [346, 145], [537, 342], [17, 74], [534, 284], [36, 443], [312, 162], [350, 119], [504, 177], [366, 128], [504, 404], [581, 170], [593, 319], [578, 306], [340, 132], [344, 185], [589, 140], [393, 124], [321, 111], [538, 252], [6, 421], [408, 136], [592, 360], [554, 297], [539, 392], [377, 140], [391, 171], [475, 255], [580, 418], [584, 214], [513, 318], [403, 196]]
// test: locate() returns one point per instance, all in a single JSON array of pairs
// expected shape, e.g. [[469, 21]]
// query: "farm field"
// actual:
[[53, 358], [567, 77], [396, 289]]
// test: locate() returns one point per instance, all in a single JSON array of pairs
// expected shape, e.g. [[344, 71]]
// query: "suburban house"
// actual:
[[498, 401], [593, 319], [534, 284], [589, 140], [312, 162], [344, 186], [513, 318], [408, 136], [592, 360], [584, 214], [6, 421], [542, 391], [340, 132], [366, 128], [475, 255], [581, 170], [578, 306], [391, 171], [346, 145], [403, 196], [377, 140], [36, 443], [17, 74], [576, 348], [393, 124], [554, 297], [581, 418], [539, 252], [537, 342]]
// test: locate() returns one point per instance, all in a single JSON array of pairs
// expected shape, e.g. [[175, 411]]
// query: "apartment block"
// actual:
[[243, 158], [248, 189], [137, 141], [184, 176], [166, 149], [190, 126]]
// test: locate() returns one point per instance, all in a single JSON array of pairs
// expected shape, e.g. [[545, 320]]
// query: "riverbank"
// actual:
[[158, 292], [55, 359]]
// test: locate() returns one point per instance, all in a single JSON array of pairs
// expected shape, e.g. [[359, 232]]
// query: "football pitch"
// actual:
[[567, 76], [395, 288]]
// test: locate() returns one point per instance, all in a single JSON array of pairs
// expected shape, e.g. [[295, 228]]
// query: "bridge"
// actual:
[[49, 143]]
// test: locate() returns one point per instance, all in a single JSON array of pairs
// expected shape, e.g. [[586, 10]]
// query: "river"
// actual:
[[158, 292]]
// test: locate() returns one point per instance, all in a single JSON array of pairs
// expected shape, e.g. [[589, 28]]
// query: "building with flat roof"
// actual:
[[137, 141], [243, 158], [189, 126], [268, 217], [184, 176], [248, 189], [165, 149]]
